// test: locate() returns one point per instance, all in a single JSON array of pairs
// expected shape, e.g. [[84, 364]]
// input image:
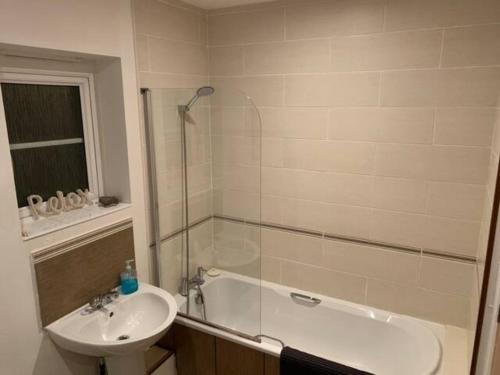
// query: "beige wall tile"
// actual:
[[400, 160], [409, 88], [371, 262], [457, 201], [200, 178], [397, 227], [170, 218], [264, 90], [204, 28], [465, 126], [405, 125], [229, 121], [318, 216], [338, 188], [292, 183], [447, 276], [273, 122], [349, 189], [449, 235], [184, 5], [200, 206], [248, 7], [235, 150], [226, 61], [271, 209], [492, 176], [246, 27], [334, 18], [160, 80], [229, 234], [399, 194], [271, 269], [305, 123], [349, 221], [236, 203], [354, 124], [447, 87], [311, 56], [350, 157], [291, 246], [438, 307], [304, 214], [237, 248], [472, 46], [156, 18], [201, 246], [468, 87], [323, 281], [273, 150], [177, 57], [170, 254], [417, 14], [413, 49], [340, 89], [495, 145], [459, 164], [237, 177], [142, 52]]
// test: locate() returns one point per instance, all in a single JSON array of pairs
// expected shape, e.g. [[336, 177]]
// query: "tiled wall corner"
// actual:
[[171, 52]]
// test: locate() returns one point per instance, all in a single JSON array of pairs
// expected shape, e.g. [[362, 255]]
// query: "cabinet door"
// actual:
[[271, 365], [194, 351], [234, 359]]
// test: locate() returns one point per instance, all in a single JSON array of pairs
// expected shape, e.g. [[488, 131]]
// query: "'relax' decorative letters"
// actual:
[[59, 203]]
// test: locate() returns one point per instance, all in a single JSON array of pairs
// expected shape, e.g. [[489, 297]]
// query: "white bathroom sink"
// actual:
[[129, 324]]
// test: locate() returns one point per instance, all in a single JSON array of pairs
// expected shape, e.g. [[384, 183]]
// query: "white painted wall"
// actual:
[[93, 27]]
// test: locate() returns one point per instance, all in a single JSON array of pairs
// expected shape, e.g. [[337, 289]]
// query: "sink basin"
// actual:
[[130, 324]]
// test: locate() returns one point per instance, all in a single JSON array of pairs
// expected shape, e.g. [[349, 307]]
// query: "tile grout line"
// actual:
[[440, 65], [353, 36]]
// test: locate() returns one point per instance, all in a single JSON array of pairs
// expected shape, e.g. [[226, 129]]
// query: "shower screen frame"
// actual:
[[182, 110]]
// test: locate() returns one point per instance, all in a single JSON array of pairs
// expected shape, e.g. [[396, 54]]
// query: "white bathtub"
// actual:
[[369, 339]]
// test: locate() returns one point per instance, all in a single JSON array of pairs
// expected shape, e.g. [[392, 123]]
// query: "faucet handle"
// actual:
[[201, 271], [114, 293], [110, 296], [96, 302]]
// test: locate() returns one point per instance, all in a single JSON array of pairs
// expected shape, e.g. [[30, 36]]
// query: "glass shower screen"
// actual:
[[205, 186]]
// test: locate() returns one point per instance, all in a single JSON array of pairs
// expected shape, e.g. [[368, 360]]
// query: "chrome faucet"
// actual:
[[198, 279], [195, 282], [98, 303]]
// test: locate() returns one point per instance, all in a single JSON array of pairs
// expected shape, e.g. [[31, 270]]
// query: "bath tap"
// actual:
[[195, 282], [198, 279]]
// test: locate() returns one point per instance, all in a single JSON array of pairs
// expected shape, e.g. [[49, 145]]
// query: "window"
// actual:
[[52, 135]]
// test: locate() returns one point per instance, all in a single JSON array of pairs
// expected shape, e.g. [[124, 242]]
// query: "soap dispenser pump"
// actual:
[[128, 278]]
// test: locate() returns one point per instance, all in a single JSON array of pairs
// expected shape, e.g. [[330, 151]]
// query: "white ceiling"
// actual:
[[214, 4]]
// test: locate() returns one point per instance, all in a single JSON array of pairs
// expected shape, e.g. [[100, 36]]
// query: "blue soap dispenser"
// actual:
[[128, 278]]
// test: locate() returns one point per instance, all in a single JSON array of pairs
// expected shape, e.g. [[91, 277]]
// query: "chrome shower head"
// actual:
[[202, 91], [205, 91]]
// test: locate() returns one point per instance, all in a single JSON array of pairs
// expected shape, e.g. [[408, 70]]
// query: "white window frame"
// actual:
[[85, 82]]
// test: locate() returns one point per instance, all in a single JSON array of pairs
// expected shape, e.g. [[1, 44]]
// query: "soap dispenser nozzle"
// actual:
[[128, 263]]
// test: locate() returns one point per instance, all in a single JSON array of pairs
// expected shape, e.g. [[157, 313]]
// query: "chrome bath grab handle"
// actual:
[[305, 298], [270, 338]]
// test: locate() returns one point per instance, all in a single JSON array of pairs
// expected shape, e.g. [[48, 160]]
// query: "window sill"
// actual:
[[45, 225]]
